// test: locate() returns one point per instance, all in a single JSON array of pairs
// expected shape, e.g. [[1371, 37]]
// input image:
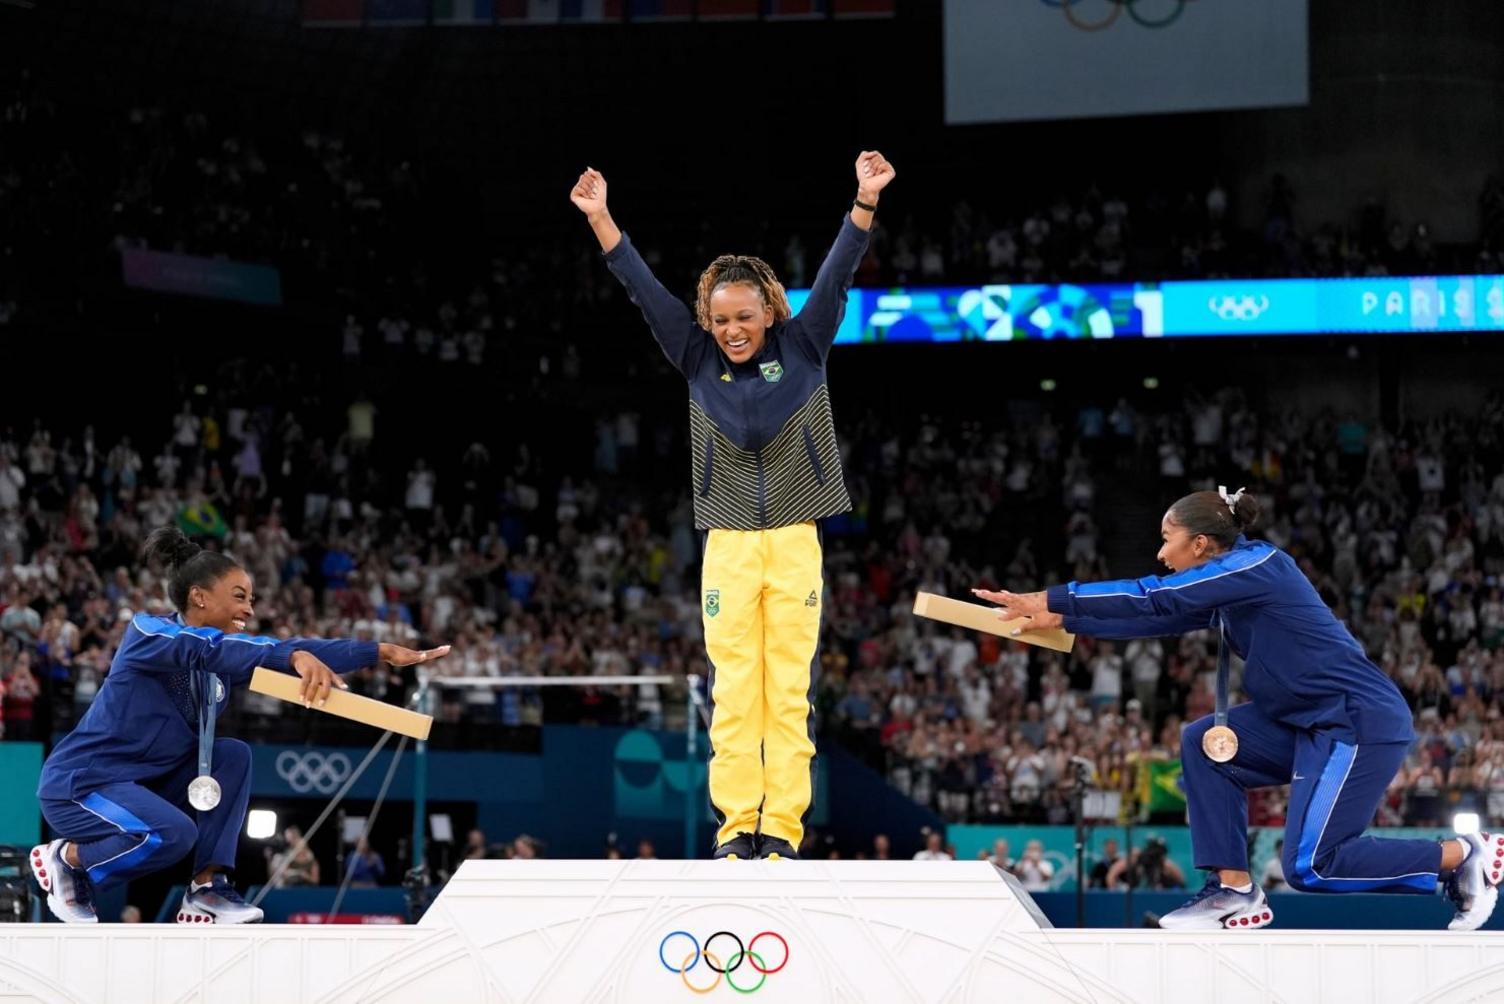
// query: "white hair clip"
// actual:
[[1231, 500]]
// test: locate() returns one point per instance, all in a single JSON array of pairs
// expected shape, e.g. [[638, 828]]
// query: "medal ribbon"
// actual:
[[204, 683], [1224, 669]]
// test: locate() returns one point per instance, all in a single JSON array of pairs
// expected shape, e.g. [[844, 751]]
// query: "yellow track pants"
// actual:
[[761, 609]]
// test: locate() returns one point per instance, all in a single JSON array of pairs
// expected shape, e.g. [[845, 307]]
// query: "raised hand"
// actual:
[[873, 172], [589, 193]]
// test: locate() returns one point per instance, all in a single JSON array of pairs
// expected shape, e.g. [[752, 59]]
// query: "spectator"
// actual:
[[366, 868], [297, 865], [934, 848], [1000, 858], [1097, 878], [1033, 871]]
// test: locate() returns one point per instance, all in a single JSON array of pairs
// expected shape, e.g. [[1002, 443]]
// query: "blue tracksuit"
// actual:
[[1322, 719], [117, 784]]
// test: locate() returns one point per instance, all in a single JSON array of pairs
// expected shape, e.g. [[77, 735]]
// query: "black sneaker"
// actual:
[[742, 847], [776, 849]]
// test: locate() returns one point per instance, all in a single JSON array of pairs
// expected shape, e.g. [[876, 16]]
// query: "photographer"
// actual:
[[1146, 867]]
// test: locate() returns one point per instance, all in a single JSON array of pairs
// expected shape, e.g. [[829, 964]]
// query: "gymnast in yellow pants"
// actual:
[[765, 469]]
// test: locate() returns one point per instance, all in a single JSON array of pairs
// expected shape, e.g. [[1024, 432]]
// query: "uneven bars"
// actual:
[[544, 681]]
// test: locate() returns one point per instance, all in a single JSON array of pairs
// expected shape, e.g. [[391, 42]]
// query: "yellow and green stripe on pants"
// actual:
[[761, 610]]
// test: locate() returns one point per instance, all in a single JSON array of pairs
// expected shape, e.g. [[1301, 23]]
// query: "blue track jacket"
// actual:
[[134, 730], [1303, 667]]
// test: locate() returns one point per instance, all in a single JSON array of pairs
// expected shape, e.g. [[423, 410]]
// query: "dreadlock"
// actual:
[[729, 269]]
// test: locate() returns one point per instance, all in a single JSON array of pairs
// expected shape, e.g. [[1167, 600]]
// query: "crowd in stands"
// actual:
[[356, 223], [1401, 530], [527, 568]]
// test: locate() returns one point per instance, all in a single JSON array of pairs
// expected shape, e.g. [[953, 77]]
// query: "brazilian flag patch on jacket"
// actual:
[[712, 602], [771, 372]]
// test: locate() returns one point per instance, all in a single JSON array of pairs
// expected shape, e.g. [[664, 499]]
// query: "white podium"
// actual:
[[570, 932]]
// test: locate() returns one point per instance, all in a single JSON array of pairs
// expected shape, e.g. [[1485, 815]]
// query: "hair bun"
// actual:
[[169, 547], [1246, 511]]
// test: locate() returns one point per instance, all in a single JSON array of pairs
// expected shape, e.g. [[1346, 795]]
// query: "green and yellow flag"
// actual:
[[1159, 788]]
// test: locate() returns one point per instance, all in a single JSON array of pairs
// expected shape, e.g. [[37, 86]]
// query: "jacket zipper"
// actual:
[[747, 411]]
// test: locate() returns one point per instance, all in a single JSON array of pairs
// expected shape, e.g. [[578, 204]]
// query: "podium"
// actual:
[[848, 932]]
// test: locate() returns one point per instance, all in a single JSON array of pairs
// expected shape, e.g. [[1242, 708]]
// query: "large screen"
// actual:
[[1000, 313], [1015, 60]]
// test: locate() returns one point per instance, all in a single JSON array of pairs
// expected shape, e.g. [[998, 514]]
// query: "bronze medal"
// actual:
[[1220, 743]]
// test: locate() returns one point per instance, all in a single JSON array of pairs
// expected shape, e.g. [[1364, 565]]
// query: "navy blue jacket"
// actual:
[[135, 731], [763, 442], [1303, 667]]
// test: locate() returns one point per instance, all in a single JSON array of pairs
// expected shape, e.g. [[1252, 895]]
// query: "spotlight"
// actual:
[[260, 823], [1047, 385]]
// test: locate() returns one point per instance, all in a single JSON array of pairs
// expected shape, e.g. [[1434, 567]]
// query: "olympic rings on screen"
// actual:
[[1118, 6]]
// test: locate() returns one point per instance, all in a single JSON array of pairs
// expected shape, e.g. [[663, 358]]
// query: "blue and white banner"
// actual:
[[1008, 312]]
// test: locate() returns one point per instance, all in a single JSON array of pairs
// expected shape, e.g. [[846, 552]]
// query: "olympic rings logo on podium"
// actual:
[[1177, 7], [744, 953], [313, 771]]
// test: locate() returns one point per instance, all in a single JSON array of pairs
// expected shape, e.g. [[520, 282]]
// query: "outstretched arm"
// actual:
[[675, 330], [1122, 628], [1032, 606], [166, 646], [1243, 575], [822, 312]]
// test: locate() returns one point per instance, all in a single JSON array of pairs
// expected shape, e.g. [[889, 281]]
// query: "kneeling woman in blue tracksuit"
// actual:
[[115, 789], [1323, 719]]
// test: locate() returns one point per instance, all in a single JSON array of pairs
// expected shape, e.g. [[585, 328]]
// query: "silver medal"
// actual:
[[203, 793]]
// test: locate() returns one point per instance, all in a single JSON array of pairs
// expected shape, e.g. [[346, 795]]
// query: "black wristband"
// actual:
[[862, 205]]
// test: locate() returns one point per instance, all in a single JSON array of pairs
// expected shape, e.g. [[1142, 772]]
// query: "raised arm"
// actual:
[[822, 312], [674, 328], [589, 195]]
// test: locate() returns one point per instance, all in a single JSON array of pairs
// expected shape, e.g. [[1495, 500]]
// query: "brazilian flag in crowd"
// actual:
[[202, 519], [1159, 786]]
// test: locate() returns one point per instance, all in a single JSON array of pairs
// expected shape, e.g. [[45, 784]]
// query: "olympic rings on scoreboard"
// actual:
[[744, 953], [1117, 7]]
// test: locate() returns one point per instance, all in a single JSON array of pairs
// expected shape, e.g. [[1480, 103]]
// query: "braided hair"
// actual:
[[730, 269]]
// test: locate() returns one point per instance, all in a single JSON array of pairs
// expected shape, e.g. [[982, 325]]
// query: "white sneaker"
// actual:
[[1217, 907], [217, 903], [1474, 886], [70, 895]]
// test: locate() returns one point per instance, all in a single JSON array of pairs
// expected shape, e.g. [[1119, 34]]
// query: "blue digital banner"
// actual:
[[1381, 305]]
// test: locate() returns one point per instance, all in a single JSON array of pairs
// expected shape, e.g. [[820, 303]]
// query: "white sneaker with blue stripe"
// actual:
[[1216, 908], [70, 895], [1474, 885]]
